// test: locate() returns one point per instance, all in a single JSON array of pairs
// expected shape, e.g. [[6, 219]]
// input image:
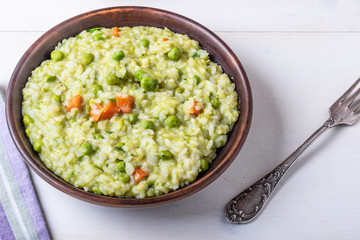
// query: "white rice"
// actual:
[[62, 133]]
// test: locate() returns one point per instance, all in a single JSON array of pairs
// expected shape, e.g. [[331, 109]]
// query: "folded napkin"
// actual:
[[20, 214]]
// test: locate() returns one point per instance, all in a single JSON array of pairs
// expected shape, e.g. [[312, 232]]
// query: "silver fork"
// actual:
[[249, 203]]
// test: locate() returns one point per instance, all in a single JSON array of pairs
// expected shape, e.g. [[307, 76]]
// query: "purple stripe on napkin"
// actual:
[[25, 196], [6, 232], [23, 180]]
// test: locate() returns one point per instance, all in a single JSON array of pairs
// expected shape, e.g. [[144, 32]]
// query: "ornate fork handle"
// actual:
[[249, 203]]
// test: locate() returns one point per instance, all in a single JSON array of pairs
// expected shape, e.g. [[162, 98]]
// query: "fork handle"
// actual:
[[249, 203]]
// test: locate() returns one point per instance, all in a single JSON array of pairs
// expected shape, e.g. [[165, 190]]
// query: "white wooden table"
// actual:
[[299, 57]]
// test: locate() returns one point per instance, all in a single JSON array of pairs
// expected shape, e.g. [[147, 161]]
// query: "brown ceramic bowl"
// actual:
[[129, 16]]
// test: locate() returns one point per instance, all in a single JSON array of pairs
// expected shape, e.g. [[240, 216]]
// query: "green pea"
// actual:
[[148, 83], [197, 78], [27, 131], [96, 88], [37, 145], [50, 78], [139, 74], [174, 54], [121, 166], [60, 123], [27, 120], [87, 58], [165, 154], [96, 190], [86, 149], [117, 56], [124, 177], [97, 37], [118, 146], [57, 55], [215, 103], [172, 121], [133, 118], [179, 90], [148, 124], [144, 42], [204, 165], [91, 30], [98, 136], [112, 79], [56, 98]]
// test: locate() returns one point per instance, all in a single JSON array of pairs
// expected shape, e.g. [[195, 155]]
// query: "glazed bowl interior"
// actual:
[[129, 16]]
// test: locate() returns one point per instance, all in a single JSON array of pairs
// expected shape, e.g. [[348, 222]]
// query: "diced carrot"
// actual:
[[74, 102], [115, 32], [139, 174], [125, 102], [109, 110], [165, 39], [196, 108], [96, 112]]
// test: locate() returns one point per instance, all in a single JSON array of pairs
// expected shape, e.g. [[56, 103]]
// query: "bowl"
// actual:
[[129, 16]]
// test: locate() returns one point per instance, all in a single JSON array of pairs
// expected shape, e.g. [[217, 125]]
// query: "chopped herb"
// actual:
[[91, 30], [180, 72], [194, 54], [78, 36], [112, 99], [98, 136], [215, 103], [118, 146], [109, 132], [72, 173], [99, 168], [197, 78], [92, 125], [211, 95]]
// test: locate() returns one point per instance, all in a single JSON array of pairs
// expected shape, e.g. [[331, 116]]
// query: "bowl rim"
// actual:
[[244, 121]]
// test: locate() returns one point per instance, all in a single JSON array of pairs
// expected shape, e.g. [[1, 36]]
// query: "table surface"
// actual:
[[299, 57]]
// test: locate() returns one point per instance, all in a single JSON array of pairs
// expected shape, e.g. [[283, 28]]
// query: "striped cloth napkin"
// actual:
[[20, 214]]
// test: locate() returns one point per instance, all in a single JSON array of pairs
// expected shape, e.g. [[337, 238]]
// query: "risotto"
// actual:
[[128, 112]]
